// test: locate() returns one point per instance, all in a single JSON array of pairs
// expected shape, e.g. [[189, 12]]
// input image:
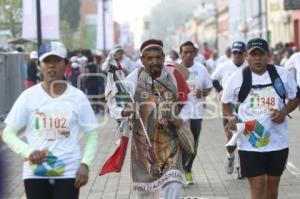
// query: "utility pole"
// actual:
[[245, 23], [104, 25], [266, 21], [38, 23], [260, 20], [217, 26]]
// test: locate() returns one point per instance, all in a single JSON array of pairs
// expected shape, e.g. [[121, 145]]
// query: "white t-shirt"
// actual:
[[222, 60], [199, 58], [128, 64], [53, 124], [293, 65], [211, 64], [257, 106], [224, 70], [198, 79]]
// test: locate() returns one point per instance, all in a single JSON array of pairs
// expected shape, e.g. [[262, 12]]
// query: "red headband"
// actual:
[[151, 43]]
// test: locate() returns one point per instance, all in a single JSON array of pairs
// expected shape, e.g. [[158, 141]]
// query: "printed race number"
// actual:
[[58, 123], [262, 100], [266, 101]]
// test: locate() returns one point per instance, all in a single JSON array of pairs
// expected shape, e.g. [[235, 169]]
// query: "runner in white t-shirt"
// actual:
[[225, 69], [221, 75], [226, 57], [293, 65], [200, 85], [263, 146], [53, 113]]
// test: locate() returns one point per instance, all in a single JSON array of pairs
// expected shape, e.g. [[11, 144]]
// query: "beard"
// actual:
[[155, 70]]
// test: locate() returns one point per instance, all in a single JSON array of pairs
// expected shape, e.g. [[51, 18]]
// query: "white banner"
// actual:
[[49, 19], [125, 35], [109, 26]]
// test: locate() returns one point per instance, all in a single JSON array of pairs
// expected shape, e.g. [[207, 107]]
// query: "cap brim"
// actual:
[[256, 47], [237, 50], [50, 53]]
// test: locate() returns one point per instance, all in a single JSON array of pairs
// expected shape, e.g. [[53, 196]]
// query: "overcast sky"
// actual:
[[133, 12]]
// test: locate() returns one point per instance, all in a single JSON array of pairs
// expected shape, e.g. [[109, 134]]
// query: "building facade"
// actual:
[[88, 23], [280, 26], [296, 27]]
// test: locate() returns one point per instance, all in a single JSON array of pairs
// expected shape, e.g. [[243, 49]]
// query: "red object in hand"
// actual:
[[37, 157], [250, 125], [115, 162], [44, 153]]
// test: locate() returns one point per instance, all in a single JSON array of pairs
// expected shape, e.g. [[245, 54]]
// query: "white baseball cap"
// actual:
[[74, 59], [33, 55], [52, 48]]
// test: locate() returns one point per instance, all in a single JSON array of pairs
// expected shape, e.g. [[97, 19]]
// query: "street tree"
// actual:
[[70, 39], [10, 16], [70, 12]]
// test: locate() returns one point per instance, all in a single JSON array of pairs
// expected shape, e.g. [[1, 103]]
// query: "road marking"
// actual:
[[292, 169]]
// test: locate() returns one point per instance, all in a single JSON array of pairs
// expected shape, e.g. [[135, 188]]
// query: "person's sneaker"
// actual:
[[189, 178], [229, 165]]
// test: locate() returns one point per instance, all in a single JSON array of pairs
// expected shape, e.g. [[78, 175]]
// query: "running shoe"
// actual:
[[189, 178], [229, 165]]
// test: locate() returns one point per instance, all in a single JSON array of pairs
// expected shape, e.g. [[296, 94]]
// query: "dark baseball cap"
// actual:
[[238, 46], [257, 43]]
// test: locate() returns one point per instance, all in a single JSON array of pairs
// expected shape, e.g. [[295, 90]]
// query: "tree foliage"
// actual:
[[70, 12], [69, 22], [11, 19], [10, 16], [65, 34]]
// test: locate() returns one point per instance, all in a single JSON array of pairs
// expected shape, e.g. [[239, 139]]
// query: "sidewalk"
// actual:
[[211, 180]]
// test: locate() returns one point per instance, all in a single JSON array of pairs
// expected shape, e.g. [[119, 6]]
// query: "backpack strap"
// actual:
[[276, 81], [246, 85]]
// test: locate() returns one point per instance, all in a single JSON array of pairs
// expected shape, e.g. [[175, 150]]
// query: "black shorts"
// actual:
[[263, 163], [47, 189]]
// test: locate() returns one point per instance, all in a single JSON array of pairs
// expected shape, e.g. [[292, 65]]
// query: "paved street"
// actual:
[[211, 180]]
